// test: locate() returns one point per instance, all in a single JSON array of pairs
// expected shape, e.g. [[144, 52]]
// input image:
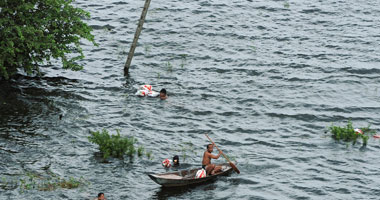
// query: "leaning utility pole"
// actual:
[[137, 35]]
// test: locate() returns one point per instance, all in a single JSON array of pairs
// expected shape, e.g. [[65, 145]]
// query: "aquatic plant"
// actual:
[[69, 183], [147, 49], [253, 48], [286, 5], [183, 60], [49, 182], [140, 151], [6, 184], [348, 133], [149, 155], [169, 66], [115, 145], [185, 150]]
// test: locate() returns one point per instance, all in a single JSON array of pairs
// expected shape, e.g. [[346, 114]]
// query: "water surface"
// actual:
[[263, 78]]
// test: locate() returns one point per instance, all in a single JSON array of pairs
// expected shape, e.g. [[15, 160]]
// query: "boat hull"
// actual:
[[187, 177]]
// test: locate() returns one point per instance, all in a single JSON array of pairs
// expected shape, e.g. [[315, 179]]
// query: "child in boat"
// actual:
[[167, 163], [206, 162], [175, 161]]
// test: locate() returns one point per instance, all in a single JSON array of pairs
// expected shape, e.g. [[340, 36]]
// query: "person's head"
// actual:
[[175, 160], [101, 196], [163, 93], [210, 147]]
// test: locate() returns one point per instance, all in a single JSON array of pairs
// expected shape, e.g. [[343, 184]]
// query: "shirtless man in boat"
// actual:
[[206, 162]]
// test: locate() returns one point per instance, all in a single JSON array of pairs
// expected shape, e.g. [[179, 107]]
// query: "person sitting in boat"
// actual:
[[175, 161], [167, 163], [206, 162]]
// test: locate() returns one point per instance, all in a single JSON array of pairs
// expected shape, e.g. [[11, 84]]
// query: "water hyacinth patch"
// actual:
[[349, 134], [115, 145]]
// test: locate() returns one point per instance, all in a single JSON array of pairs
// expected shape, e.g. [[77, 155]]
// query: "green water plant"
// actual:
[[169, 66], [40, 182], [286, 5], [53, 184], [147, 49], [140, 151], [186, 149], [183, 60], [348, 134], [115, 145], [149, 155]]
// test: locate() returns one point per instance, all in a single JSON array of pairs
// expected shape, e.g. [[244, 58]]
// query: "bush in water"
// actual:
[[34, 31], [348, 133], [115, 145]]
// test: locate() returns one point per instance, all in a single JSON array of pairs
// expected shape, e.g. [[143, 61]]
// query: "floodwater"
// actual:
[[263, 78]]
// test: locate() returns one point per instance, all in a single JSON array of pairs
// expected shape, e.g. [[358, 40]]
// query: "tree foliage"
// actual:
[[34, 31]]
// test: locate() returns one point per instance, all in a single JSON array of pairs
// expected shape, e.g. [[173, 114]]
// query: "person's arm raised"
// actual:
[[215, 156]]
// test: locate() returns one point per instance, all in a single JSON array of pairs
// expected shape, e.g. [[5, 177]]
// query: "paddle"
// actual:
[[231, 164]]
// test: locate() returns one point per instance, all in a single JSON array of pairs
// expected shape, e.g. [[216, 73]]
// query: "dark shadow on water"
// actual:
[[28, 106], [24, 95], [179, 192], [363, 148], [168, 192]]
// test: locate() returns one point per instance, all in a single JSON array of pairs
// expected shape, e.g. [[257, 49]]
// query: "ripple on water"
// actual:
[[262, 78]]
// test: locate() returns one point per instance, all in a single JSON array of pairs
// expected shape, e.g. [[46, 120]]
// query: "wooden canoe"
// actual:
[[187, 177]]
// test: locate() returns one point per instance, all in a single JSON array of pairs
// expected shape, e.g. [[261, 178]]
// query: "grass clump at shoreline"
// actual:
[[116, 146], [349, 134]]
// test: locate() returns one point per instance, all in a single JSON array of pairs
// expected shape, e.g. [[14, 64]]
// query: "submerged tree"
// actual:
[[34, 31]]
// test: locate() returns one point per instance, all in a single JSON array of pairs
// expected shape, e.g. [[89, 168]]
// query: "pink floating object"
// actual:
[[166, 163], [358, 131], [376, 136]]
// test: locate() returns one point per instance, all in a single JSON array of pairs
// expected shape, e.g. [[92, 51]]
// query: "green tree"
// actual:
[[34, 31]]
